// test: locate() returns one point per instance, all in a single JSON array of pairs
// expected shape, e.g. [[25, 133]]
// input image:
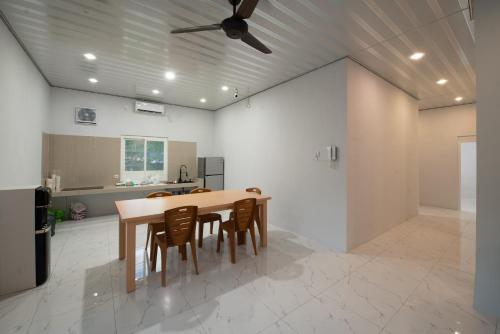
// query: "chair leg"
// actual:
[[154, 253], [232, 244], [200, 235], [242, 238], [183, 252], [220, 237], [153, 245], [147, 237], [257, 220], [211, 227], [164, 265], [193, 253], [252, 235]]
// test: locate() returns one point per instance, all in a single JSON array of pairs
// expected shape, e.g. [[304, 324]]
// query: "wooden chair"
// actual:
[[257, 209], [242, 221], [180, 227], [254, 190], [206, 218], [155, 228]]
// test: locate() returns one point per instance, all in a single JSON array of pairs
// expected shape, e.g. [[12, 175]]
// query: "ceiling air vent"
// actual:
[[150, 108]]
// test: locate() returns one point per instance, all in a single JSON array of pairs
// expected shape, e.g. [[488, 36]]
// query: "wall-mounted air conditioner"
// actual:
[[150, 108]]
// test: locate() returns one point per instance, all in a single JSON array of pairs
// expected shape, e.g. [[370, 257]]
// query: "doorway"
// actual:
[[467, 148]]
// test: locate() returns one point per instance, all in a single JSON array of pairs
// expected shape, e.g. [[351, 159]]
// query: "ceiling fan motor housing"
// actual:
[[234, 27]]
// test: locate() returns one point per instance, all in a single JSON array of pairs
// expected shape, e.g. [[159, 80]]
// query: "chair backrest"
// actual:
[[200, 190], [180, 224], [254, 190], [244, 211], [159, 194]]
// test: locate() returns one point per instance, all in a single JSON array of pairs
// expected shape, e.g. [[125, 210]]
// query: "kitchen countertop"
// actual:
[[120, 189]]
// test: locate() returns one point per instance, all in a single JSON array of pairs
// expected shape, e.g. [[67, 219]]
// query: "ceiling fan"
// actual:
[[235, 26]]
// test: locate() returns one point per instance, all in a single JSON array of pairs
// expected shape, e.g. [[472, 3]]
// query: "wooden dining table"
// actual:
[[144, 211]]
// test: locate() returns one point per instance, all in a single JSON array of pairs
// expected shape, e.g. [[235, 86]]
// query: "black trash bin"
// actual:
[[42, 249], [42, 235]]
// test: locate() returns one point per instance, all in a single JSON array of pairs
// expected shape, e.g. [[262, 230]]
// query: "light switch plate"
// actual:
[[327, 153]]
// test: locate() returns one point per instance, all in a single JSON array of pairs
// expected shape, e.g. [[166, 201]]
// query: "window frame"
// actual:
[[144, 174]]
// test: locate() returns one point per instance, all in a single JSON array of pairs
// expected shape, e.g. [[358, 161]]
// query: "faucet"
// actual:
[[183, 174]]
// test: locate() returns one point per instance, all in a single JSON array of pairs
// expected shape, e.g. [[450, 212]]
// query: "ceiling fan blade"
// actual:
[[255, 43], [246, 9], [195, 29]]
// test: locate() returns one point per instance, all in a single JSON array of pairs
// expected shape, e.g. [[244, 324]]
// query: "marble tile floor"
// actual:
[[415, 278]]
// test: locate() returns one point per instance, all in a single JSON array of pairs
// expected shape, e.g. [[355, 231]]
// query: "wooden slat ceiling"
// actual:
[[134, 47]]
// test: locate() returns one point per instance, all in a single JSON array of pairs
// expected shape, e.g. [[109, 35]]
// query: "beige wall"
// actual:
[[84, 161], [439, 133], [182, 153], [382, 165], [17, 239]]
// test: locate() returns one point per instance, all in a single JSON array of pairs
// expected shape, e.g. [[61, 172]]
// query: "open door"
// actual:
[[468, 174]]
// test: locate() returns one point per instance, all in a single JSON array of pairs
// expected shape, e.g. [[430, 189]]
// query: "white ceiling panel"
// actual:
[[132, 41]]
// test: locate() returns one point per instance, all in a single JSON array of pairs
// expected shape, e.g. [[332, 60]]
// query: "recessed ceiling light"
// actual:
[[441, 81], [156, 91], [225, 88], [459, 98], [203, 100], [417, 56], [93, 80], [90, 56], [170, 75]]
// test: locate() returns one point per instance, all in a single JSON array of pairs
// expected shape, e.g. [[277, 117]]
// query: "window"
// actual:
[[143, 158]]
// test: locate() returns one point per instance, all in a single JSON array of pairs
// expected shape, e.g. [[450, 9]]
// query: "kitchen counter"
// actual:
[[125, 189]]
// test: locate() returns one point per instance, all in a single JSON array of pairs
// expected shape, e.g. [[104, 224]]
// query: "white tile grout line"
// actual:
[[111, 282], [316, 295], [372, 259], [34, 313], [418, 285], [45, 285], [280, 318]]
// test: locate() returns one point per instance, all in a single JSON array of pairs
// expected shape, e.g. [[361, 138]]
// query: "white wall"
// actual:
[[382, 165], [440, 131], [272, 144], [487, 28], [116, 117], [24, 106]]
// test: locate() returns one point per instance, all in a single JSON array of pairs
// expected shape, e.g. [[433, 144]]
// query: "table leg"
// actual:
[[122, 236], [263, 222], [130, 259]]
